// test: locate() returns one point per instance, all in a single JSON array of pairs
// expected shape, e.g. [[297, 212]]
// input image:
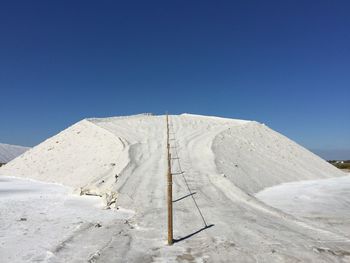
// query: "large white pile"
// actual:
[[92, 154], [217, 163]]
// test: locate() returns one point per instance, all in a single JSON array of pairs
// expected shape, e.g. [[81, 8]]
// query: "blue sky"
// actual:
[[283, 63]]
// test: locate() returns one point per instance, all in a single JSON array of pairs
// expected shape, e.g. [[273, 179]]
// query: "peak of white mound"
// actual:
[[9, 152]]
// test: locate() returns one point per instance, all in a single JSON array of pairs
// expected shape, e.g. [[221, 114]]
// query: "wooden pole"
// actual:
[[170, 189]]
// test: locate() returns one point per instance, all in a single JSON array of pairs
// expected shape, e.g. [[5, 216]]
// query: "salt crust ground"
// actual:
[[326, 201], [37, 219], [224, 161]]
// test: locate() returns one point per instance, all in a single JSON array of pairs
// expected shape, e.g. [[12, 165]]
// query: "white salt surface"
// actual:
[[325, 201], [39, 219]]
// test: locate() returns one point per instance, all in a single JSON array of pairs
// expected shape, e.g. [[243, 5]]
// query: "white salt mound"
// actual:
[[92, 154], [217, 165]]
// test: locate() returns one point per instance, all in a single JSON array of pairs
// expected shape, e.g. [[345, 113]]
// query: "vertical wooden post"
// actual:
[[170, 188]]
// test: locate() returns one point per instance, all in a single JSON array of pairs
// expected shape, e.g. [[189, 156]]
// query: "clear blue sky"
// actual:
[[284, 63]]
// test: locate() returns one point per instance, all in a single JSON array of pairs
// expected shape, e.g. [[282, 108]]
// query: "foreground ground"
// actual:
[[40, 220], [216, 216]]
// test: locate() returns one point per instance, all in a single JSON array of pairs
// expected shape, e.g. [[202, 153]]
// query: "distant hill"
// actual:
[[9, 152]]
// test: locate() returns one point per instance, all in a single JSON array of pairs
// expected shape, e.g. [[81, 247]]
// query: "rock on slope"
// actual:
[[9, 152]]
